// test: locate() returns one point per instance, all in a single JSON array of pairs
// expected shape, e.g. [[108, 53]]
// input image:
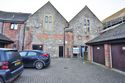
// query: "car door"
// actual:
[[24, 57], [31, 58]]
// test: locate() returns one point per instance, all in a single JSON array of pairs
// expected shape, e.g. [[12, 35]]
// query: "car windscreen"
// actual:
[[12, 55]]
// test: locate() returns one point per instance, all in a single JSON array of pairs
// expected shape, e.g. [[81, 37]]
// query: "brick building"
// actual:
[[82, 28], [45, 31], [109, 48], [12, 26]]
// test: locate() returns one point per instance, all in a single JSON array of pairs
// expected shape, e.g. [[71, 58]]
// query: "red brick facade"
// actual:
[[107, 51], [68, 44], [15, 35]]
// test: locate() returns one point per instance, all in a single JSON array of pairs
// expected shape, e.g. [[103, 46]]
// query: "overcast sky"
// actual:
[[68, 8]]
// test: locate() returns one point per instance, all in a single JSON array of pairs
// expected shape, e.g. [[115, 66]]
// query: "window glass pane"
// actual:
[[32, 54], [46, 19], [88, 29], [88, 22], [1, 56], [50, 19], [37, 47], [84, 22], [14, 26], [12, 54], [23, 53]]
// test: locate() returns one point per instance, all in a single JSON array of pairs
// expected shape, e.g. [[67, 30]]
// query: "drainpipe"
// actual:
[[67, 26], [23, 35]]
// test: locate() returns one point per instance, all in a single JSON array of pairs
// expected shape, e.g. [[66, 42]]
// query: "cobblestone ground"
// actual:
[[70, 71]]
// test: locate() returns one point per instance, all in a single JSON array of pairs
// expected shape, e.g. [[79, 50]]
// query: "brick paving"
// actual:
[[70, 71]]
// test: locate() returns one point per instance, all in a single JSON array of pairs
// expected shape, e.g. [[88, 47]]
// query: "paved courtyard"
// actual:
[[70, 71]]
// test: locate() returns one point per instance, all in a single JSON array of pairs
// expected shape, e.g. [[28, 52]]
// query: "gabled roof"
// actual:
[[5, 39], [85, 8], [113, 34], [13, 16], [49, 4], [116, 15]]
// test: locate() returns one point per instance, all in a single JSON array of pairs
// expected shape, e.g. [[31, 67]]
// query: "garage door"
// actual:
[[118, 56], [98, 54]]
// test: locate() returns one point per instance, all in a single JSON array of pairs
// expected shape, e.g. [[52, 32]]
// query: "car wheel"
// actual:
[[1, 80], [39, 65]]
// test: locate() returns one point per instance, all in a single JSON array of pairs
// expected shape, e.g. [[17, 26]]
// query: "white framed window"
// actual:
[[14, 26]]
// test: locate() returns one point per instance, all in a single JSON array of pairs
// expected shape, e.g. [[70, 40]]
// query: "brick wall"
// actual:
[[68, 44], [107, 50], [14, 35]]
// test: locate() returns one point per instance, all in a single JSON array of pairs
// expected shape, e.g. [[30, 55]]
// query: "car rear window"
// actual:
[[12, 55], [2, 56]]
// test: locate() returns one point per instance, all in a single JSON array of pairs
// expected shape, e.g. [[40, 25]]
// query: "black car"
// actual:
[[35, 58], [11, 65]]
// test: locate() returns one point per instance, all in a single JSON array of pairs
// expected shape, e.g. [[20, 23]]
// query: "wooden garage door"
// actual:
[[98, 54], [118, 56]]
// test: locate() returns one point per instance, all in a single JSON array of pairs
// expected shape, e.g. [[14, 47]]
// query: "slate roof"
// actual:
[[113, 34], [5, 39], [13, 16]]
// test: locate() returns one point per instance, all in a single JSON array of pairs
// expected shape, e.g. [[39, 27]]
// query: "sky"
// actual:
[[68, 8]]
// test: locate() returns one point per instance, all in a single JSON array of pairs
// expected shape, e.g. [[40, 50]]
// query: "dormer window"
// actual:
[[14, 26]]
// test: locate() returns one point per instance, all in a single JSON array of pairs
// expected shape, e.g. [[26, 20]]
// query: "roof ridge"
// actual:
[[82, 11], [52, 6], [15, 12], [118, 12]]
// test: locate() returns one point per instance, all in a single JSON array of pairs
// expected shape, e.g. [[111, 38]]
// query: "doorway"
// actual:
[[82, 51], [61, 51]]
